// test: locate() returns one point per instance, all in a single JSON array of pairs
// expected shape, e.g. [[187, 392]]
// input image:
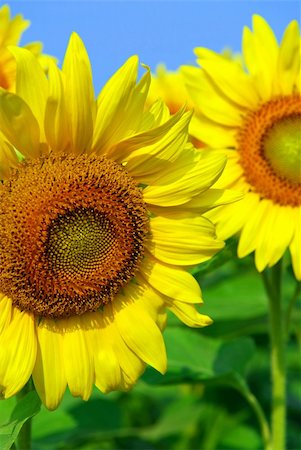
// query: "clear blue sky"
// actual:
[[158, 31]]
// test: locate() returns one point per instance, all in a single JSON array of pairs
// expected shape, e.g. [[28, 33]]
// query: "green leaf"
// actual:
[[193, 357], [6, 408], [177, 418], [26, 408], [237, 296], [241, 437], [234, 297]]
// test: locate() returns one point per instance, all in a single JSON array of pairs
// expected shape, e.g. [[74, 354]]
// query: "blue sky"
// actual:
[[158, 31]]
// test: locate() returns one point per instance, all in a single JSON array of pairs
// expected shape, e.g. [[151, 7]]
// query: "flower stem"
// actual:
[[278, 369], [264, 426], [24, 437]]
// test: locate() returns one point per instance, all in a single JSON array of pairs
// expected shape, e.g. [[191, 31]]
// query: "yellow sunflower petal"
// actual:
[[155, 116], [282, 230], [17, 353], [267, 249], [187, 179], [151, 300], [298, 79], [31, 84], [154, 151], [120, 106], [139, 331], [107, 369], [170, 87], [252, 228], [48, 373], [233, 175], [80, 94], [7, 70], [171, 281], [289, 59], [229, 77], [16, 117], [213, 198], [295, 247], [276, 232], [230, 219], [56, 118], [201, 204], [212, 133], [8, 158], [260, 52], [11, 28], [131, 365], [214, 105], [5, 312], [188, 314], [36, 49], [77, 356], [101, 339], [135, 110], [184, 241]]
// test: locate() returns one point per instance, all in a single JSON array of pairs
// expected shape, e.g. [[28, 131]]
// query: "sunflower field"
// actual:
[[150, 241]]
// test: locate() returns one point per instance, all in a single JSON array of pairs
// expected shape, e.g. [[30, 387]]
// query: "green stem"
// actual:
[[278, 370], [264, 426], [23, 441]]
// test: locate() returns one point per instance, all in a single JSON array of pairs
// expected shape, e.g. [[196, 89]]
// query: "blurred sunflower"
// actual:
[[256, 115], [170, 87], [97, 223], [11, 30]]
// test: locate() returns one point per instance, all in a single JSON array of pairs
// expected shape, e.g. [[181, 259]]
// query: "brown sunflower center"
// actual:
[[270, 150], [72, 234]]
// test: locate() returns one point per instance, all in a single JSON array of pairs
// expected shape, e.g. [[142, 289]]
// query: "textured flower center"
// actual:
[[282, 148], [269, 146], [79, 241], [72, 234]]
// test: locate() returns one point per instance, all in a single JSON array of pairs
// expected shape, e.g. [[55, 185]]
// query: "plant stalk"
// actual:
[[264, 426], [278, 366]]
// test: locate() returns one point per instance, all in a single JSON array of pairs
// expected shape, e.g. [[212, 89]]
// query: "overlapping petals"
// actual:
[[59, 114], [11, 30], [224, 94]]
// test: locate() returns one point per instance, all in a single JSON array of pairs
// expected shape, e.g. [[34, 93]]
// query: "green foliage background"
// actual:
[[203, 400]]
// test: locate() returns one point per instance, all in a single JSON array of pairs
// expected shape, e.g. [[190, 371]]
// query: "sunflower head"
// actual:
[[79, 243], [255, 114], [100, 212]]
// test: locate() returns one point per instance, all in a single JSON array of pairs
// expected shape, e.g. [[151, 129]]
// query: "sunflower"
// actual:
[[11, 30], [98, 219], [256, 115], [170, 87]]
